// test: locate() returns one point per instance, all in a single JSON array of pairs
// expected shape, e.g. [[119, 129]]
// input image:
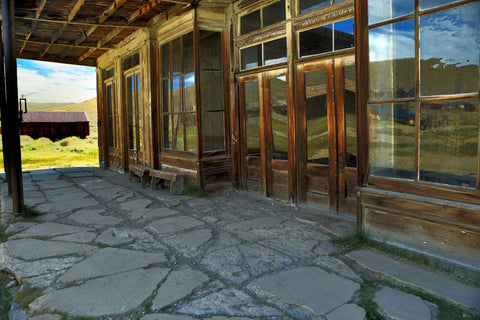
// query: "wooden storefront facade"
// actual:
[[349, 106]]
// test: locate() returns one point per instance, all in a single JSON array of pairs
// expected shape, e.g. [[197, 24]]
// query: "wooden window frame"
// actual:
[[260, 8], [418, 187]]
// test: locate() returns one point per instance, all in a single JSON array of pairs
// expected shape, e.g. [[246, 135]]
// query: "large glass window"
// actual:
[[263, 17], [424, 90], [112, 113], [179, 95]]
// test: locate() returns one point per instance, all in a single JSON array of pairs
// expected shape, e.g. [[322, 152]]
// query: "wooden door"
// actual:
[[327, 128], [264, 123], [134, 128]]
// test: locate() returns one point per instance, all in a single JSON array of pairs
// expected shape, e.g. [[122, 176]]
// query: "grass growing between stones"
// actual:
[[68, 317], [5, 297], [366, 295], [3, 235], [26, 296], [31, 212], [194, 191]]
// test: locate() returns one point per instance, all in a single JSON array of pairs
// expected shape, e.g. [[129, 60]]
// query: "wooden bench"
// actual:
[[176, 180], [140, 171]]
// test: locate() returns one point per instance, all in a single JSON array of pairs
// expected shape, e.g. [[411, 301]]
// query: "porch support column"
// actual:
[[11, 87]]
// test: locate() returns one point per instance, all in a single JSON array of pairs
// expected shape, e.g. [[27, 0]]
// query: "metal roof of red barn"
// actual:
[[55, 116]]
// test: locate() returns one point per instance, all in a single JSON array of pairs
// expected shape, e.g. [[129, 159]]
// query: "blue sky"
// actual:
[[47, 82]]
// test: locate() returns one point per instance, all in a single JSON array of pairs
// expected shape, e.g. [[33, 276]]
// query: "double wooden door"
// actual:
[[134, 134], [264, 111], [327, 141]]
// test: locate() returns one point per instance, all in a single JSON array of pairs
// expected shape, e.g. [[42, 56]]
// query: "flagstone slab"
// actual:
[[260, 259], [47, 317], [50, 229], [348, 311], [33, 249], [178, 285], [309, 287], [227, 263], [110, 261], [74, 203], [19, 227], [81, 237], [265, 222], [154, 213], [94, 217], [117, 237], [54, 184], [62, 191], [109, 194], [231, 302], [190, 240], [112, 295], [175, 224], [136, 204], [396, 304], [167, 317]]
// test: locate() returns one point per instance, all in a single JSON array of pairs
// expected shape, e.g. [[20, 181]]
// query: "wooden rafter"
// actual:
[[76, 7], [38, 12]]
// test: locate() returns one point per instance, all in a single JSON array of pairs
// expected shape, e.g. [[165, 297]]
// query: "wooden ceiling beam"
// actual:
[[38, 12], [66, 45], [78, 23], [143, 10], [112, 34], [76, 7]]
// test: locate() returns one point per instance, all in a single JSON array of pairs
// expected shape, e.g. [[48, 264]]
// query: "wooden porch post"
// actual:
[[14, 156], [4, 112]]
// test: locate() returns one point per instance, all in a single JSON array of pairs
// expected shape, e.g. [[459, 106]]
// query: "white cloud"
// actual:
[[54, 82]]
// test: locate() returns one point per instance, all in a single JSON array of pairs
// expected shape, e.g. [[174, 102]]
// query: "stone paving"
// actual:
[[109, 249]]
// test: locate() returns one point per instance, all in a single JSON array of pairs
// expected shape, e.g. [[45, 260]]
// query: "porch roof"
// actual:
[[80, 31]]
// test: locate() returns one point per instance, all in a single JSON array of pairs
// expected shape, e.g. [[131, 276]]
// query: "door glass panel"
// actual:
[[317, 120], [392, 140], [448, 142], [455, 68], [343, 36], [167, 132], [350, 116], [166, 95], [138, 108], [111, 118], [132, 138], [279, 120], [251, 57], [252, 118]]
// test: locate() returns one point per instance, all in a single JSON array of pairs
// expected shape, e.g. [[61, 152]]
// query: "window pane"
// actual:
[[350, 116], [250, 22], [251, 57], [132, 138], [275, 51], [166, 60], [166, 95], [343, 34], [316, 41], [278, 112], [111, 138], [177, 94], [177, 132], [392, 61], [167, 132], [428, 4], [317, 120], [210, 50], [392, 140], [190, 101], [187, 52], [252, 118], [211, 90], [191, 132], [138, 109], [176, 57], [454, 68], [213, 131], [274, 13], [448, 142], [382, 10], [309, 5]]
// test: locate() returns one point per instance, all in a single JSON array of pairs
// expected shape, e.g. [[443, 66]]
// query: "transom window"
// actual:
[[310, 5], [423, 90], [264, 54], [263, 17]]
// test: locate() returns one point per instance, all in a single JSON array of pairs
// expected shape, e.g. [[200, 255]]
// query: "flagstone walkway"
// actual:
[[109, 249]]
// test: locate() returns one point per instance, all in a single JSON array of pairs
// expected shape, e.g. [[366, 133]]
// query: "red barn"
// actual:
[[55, 125]]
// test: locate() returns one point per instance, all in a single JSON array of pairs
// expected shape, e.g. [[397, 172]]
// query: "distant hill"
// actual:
[[89, 106]]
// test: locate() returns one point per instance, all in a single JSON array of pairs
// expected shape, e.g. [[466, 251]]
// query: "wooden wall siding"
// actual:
[[447, 229]]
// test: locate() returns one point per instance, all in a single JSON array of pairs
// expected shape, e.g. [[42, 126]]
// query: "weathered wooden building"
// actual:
[[55, 125], [365, 108]]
